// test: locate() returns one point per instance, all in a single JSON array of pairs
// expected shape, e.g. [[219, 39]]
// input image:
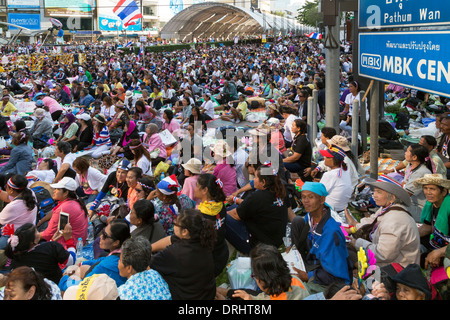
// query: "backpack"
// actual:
[[44, 201]]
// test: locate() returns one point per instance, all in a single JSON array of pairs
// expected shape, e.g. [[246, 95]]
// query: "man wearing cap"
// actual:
[[319, 239]]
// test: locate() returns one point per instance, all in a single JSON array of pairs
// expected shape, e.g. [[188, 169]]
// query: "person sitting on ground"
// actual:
[[212, 198], [192, 170], [47, 258], [142, 158], [21, 207], [320, 241], [123, 145], [21, 156], [154, 144], [300, 153], [185, 259], [337, 181], [46, 172], [169, 203], [143, 223], [41, 130], [390, 233], [238, 114], [24, 283], [64, 161], [101, 141], [434, 230], [111, 239], [89, 179], [273, 277], [411, 284], [260, 217], [143, 283], [224, 169]]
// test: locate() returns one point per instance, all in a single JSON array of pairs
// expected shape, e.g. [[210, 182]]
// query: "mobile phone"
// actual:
[[63, 220]]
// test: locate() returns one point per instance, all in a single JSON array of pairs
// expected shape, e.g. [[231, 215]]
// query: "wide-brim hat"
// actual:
[[221, 149], [193, 165], [262, 130], [392, 186], [100, 118], [433, 178], [339, 141]]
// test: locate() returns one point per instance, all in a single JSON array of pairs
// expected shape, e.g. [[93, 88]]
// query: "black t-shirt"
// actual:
[[45, 259], [111, 182], [302, 145], [265, 219]]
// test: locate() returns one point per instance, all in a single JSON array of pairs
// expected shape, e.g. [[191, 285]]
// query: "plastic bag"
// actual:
[[239, 274], [2, 143], [161, 167]]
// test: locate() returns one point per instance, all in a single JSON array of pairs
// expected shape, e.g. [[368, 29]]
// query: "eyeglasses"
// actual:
[[104, 235]]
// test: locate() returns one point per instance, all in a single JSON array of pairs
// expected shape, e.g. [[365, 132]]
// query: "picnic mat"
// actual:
[[383, 164]]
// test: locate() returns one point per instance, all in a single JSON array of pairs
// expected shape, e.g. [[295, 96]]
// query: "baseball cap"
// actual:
[[65, 183], [96, 287], [83, 116]]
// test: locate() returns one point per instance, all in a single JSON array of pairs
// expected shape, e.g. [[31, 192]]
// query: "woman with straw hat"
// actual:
[[435, 216], [390, 233]]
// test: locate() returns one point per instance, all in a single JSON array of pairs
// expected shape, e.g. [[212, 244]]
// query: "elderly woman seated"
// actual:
[[390, 233]]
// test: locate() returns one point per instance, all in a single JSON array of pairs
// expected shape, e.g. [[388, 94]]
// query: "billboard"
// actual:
[[415, 59], [23, 4], [26, 20], [58, 8]]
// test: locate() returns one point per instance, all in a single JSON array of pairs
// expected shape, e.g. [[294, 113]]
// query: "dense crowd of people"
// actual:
[[164, 219]]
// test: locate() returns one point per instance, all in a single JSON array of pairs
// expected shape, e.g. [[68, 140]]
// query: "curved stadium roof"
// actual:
[[212, 19]]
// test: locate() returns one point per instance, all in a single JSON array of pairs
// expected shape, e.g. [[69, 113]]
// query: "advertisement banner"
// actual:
[[416, 59], [29, 21], [56, 8], [23, 4]]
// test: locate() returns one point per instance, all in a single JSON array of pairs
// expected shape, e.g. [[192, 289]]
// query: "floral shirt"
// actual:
[[167, 213], [145, 285]]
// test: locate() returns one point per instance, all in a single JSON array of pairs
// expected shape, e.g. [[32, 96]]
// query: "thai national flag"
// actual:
[[129, 44], [314, 35], [38, 43], [141, 53], [127, 11]]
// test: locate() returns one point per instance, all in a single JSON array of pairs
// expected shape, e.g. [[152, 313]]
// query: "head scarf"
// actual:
[[316, 187], [71, 119], [130, 130]]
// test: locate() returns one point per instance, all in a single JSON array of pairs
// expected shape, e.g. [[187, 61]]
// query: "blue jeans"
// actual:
[[3, 242], [237, 234]]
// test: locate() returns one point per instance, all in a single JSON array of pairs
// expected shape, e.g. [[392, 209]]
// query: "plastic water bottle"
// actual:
[[90, 233], [162, 176], [79, 248]]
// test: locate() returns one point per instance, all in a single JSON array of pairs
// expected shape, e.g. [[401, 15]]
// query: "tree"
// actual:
[[309, 14]]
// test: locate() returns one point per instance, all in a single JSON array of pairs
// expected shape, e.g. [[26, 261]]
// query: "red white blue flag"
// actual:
[[128, 11], [314, 35]]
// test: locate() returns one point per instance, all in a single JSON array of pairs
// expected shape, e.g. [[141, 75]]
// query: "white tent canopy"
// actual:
[[217, 20]]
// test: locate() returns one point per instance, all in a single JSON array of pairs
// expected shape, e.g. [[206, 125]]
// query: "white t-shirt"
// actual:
[[349, 100], [42, 175], [209, 108], [69, 158], [339, 188], [145, 165], [287, 127]]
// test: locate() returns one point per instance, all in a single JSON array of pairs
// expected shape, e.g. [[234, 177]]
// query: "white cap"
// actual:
[[65, 183], [83, 116]]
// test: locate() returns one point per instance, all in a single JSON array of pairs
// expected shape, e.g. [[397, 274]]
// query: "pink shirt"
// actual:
[[17, 214], [172, 126], [226, 174], [77, 219], [156, 142], [189, 188], [52, 104]]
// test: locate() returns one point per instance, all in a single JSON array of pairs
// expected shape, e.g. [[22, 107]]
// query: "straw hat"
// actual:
[[435, 179], [96, 287], [392, 186], [262, 130], [221, 149], [339, 141], [273, 122], [193, 165]]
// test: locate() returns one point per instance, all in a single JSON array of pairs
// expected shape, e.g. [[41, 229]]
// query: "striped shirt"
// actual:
[[102, 138]]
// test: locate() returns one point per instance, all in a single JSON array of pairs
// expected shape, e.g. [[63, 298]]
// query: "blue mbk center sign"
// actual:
[[414, 59], [375, 14]]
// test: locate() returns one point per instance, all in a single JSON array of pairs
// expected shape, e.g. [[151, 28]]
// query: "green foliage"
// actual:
[[309, 13]]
